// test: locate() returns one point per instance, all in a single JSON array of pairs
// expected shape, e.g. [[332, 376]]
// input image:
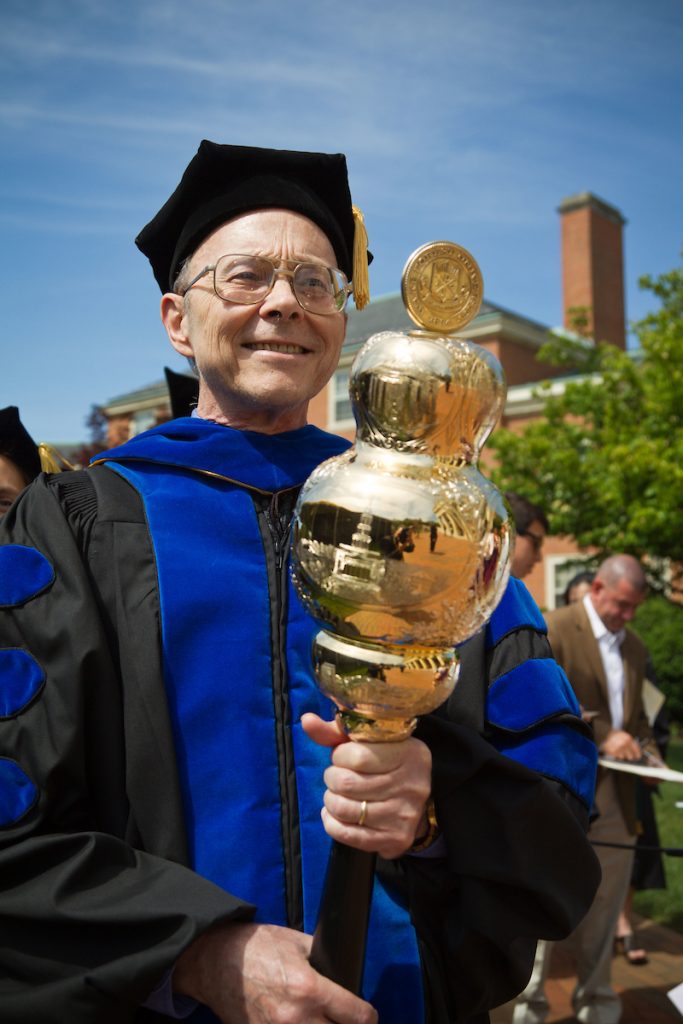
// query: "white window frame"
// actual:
[[551, 564], [333, 402], [141, 420]]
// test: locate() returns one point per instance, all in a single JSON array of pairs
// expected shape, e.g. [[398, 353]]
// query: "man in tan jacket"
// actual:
[[605, 663]]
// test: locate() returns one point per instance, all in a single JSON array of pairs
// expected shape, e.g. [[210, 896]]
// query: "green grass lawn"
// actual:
[[666, 905]]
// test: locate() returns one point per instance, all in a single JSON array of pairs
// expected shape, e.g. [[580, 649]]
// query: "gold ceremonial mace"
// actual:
[[400, 548]]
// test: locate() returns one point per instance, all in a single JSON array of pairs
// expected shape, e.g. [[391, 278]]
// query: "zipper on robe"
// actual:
[[274, 513]]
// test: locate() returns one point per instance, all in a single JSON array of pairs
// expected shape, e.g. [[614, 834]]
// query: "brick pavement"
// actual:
[[643, 989]]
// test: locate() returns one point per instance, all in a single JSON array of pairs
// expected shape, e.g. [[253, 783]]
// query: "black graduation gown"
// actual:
[[96, 898]]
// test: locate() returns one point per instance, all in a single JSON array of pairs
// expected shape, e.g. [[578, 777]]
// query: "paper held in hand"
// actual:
[[641, 767]]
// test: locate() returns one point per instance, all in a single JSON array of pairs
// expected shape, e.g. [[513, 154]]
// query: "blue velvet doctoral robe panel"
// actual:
[[194, 478], [527, 707]]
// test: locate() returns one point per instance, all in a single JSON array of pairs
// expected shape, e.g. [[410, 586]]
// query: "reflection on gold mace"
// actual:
[[400, 548], [401, 545]]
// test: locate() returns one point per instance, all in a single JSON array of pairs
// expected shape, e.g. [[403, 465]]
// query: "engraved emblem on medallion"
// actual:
[[442, 287]]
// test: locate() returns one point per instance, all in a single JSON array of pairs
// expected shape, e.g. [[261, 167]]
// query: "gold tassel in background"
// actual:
[[361, 280], [52, 460]]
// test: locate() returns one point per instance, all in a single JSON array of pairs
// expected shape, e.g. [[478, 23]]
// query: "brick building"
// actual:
[[592, 282]]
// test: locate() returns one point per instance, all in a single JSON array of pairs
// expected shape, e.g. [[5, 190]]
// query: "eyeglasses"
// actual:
[[535, 538], [248, 279]]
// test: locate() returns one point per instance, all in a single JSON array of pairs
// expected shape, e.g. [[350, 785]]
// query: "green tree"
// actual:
[[605, 458], [605, 461], [659, 623], [96, 422]]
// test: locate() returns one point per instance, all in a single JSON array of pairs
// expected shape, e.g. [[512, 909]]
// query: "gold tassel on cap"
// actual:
[[361, 280], [52, 460]]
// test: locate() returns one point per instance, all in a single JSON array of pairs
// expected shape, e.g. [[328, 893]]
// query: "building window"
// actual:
[[340, 413], [559, 569], [141, 420]]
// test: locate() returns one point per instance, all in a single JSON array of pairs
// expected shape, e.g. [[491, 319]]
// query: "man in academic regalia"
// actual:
[[170, 774]]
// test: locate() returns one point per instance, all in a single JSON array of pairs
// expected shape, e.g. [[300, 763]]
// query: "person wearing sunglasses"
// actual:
[[531, 527], [170, 773]]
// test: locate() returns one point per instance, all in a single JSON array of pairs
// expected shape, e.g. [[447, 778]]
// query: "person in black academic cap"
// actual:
[[170, 774], [19, 458]]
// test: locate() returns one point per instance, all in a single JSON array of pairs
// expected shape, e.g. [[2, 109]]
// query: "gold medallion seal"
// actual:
[[442, 287]]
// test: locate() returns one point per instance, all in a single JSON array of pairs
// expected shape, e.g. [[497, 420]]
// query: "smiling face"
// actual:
[[261, 364]]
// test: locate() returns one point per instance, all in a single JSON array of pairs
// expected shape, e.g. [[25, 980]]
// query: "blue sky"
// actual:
[[467, 120]]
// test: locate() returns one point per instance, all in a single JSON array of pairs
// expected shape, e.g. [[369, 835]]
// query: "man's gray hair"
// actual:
[[622, 567], [182, 279], [183, 276]]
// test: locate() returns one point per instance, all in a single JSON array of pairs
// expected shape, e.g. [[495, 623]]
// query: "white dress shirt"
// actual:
[[610, 651]]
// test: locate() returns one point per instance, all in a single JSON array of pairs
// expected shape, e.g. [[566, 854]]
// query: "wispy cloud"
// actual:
[[467, 119], [265, 71], [26, 221], [22, 113], [35, 197]]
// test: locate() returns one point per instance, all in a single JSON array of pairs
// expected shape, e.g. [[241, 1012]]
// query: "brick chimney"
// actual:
[[593, 266]]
